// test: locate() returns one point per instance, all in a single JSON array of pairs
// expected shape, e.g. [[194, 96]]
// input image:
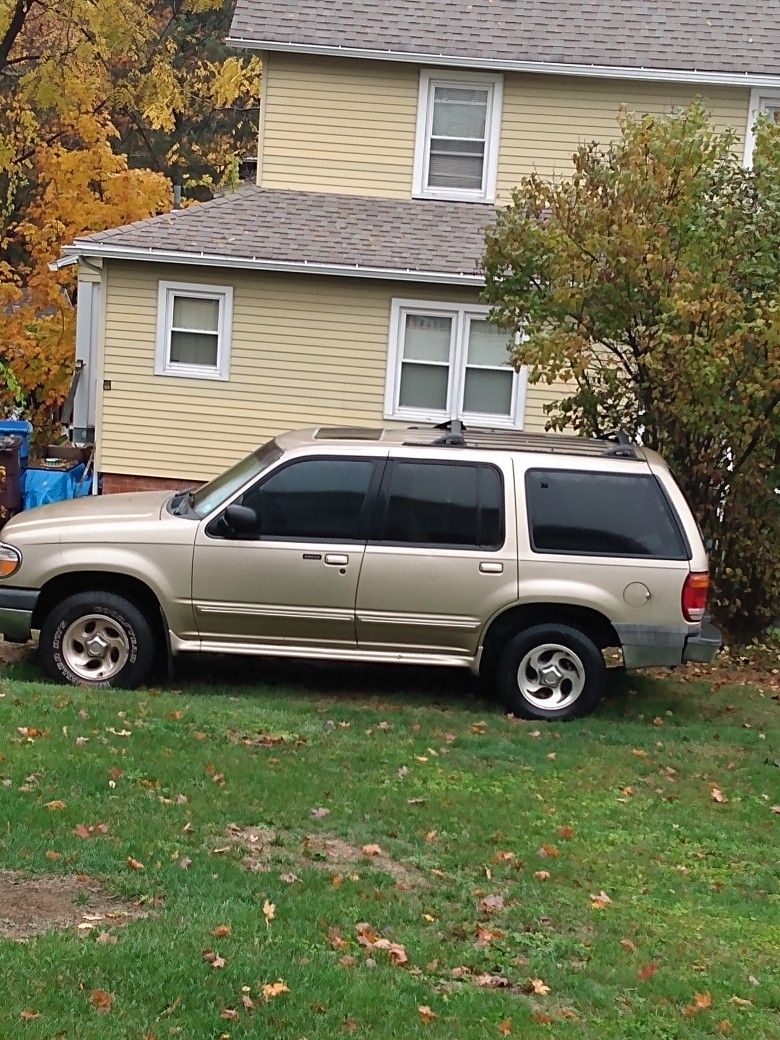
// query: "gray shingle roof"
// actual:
[[736, 36], [273, 228]]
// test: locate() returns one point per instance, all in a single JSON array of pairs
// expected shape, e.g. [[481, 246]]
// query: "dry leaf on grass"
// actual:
[[101, 999], [628, 945], [539, 987], [505, 1026], [269, 911], [542, 875], [647, 971], [214, 959], [274, 989], [700, 1002], [425, 1013], [320, 812], [718, 796], [565, 833], [371, 850], [599, 901], [549, 850], [29, 1014], [490, 904], [55, 805], [134, 864], [220, 931], [229, 1013]]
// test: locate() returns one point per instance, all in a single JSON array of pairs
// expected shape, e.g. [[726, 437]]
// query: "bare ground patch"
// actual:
[[268, 849], [31, 906]]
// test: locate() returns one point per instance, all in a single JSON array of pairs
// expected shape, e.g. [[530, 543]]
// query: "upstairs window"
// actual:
[[458, 123], [446, 361], [193, 330]]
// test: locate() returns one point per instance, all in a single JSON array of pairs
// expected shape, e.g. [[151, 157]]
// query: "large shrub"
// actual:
[[649, 280]]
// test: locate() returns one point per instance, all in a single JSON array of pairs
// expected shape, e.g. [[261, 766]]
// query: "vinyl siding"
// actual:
[[349, 125], [305, 350]]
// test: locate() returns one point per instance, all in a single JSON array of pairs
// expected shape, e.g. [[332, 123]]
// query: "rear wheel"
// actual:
[[97, 639], [551, 672]]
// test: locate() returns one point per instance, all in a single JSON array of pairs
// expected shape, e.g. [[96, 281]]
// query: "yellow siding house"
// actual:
[[344, 286]]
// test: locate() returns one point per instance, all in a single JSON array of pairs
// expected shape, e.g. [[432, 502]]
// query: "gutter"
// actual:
[[109, 252], [724, 79]]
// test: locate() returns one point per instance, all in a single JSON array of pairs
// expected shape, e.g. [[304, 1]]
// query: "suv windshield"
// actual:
[[208, 498]]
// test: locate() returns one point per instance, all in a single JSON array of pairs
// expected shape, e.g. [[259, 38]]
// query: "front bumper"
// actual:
[[657, 646], [16, 612], [704, 646]]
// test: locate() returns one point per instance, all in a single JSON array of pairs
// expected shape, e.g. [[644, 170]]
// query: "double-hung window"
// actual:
[[762, 103], [446, 361], [458, 125], [193, 330]]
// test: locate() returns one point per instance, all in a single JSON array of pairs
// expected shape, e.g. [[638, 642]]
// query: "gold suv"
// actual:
[[518, 556]]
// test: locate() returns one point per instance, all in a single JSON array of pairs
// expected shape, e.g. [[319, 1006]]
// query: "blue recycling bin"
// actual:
[[18, 428], [41, 487]]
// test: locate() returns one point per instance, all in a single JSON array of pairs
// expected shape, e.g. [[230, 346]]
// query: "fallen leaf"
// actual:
[[542, 875], [371, 850], [431, 836], [134, 864], [29, 1014], [174, 716], [658, 721], [101, 999], [485, 936], [565, 833], [55, 805], [647, 971], [505, 1026], [221, 931], [488, 981], [741, 1002], [638, 752], [106, 938], [214, 959], [347, 960], [425, 1013], [718, 796], [549, 850], [600, 901], [320, 812], [395, 952], [81, 741], [489, 904], [185, 862], [247, 1001], [539, 987], [503, 857], [724, 1026], [628, 945], [51, 854], [478, 727], [269, 911], [289, 879], [274, 989], [700, 1002]]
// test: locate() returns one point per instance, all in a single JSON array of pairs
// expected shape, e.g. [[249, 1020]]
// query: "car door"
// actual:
[[441, 556], [293, 580]]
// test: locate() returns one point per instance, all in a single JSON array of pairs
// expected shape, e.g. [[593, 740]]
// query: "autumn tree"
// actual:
[[103, 105], [649, 281]]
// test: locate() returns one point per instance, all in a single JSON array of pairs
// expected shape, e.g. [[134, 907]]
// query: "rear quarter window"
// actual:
[[602, 514]]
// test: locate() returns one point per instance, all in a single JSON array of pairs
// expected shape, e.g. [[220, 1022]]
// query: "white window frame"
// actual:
[[760, 100], [462, 315], [429, 80], [167, 292]]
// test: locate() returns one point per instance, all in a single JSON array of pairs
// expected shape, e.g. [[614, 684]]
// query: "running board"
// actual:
[[318, 653]]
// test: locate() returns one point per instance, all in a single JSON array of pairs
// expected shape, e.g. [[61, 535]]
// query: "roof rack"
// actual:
[[616, 445]]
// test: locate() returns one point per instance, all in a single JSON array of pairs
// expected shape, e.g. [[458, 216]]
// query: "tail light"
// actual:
[[694, 595]]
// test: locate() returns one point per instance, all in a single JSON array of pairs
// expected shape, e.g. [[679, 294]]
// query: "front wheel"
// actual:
[[97, 639], [551, 672]]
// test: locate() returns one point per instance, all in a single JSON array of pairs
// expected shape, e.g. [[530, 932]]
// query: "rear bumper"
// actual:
[[658, 646], [16, 612], [704, 646]]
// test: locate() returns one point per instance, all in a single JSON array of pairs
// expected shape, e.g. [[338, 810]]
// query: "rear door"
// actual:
[[441, 556]]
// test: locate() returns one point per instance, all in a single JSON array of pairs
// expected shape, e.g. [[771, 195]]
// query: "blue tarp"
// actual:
[[42, 486]]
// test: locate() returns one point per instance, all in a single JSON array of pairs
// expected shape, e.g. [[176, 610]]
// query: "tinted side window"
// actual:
[[601, 513], [316, 499], [453, 504]]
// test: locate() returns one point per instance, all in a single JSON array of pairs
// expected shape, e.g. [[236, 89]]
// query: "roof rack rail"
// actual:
[[615, 445]]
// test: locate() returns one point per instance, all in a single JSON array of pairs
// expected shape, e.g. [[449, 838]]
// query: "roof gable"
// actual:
[[714, 38]]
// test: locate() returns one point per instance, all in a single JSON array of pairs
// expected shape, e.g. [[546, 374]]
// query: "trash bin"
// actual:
[[10, 473], [18, 428]]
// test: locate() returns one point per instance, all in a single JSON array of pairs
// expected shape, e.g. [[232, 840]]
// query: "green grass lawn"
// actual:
[[497, 841]]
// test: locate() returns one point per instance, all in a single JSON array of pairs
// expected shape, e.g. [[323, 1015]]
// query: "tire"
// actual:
[[97, 639], [576, 672]]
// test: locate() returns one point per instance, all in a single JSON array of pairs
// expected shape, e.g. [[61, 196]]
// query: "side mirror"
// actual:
[[242, 520]]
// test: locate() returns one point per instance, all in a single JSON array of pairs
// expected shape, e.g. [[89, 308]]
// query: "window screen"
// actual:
[[601, 514], [314, 499], [445, 504], [194, 331]]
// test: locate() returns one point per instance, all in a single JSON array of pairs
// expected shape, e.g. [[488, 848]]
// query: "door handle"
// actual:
[[491, 568], [337, 559]]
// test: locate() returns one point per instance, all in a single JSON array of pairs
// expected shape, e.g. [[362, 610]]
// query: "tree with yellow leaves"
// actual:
[[104, 105]]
